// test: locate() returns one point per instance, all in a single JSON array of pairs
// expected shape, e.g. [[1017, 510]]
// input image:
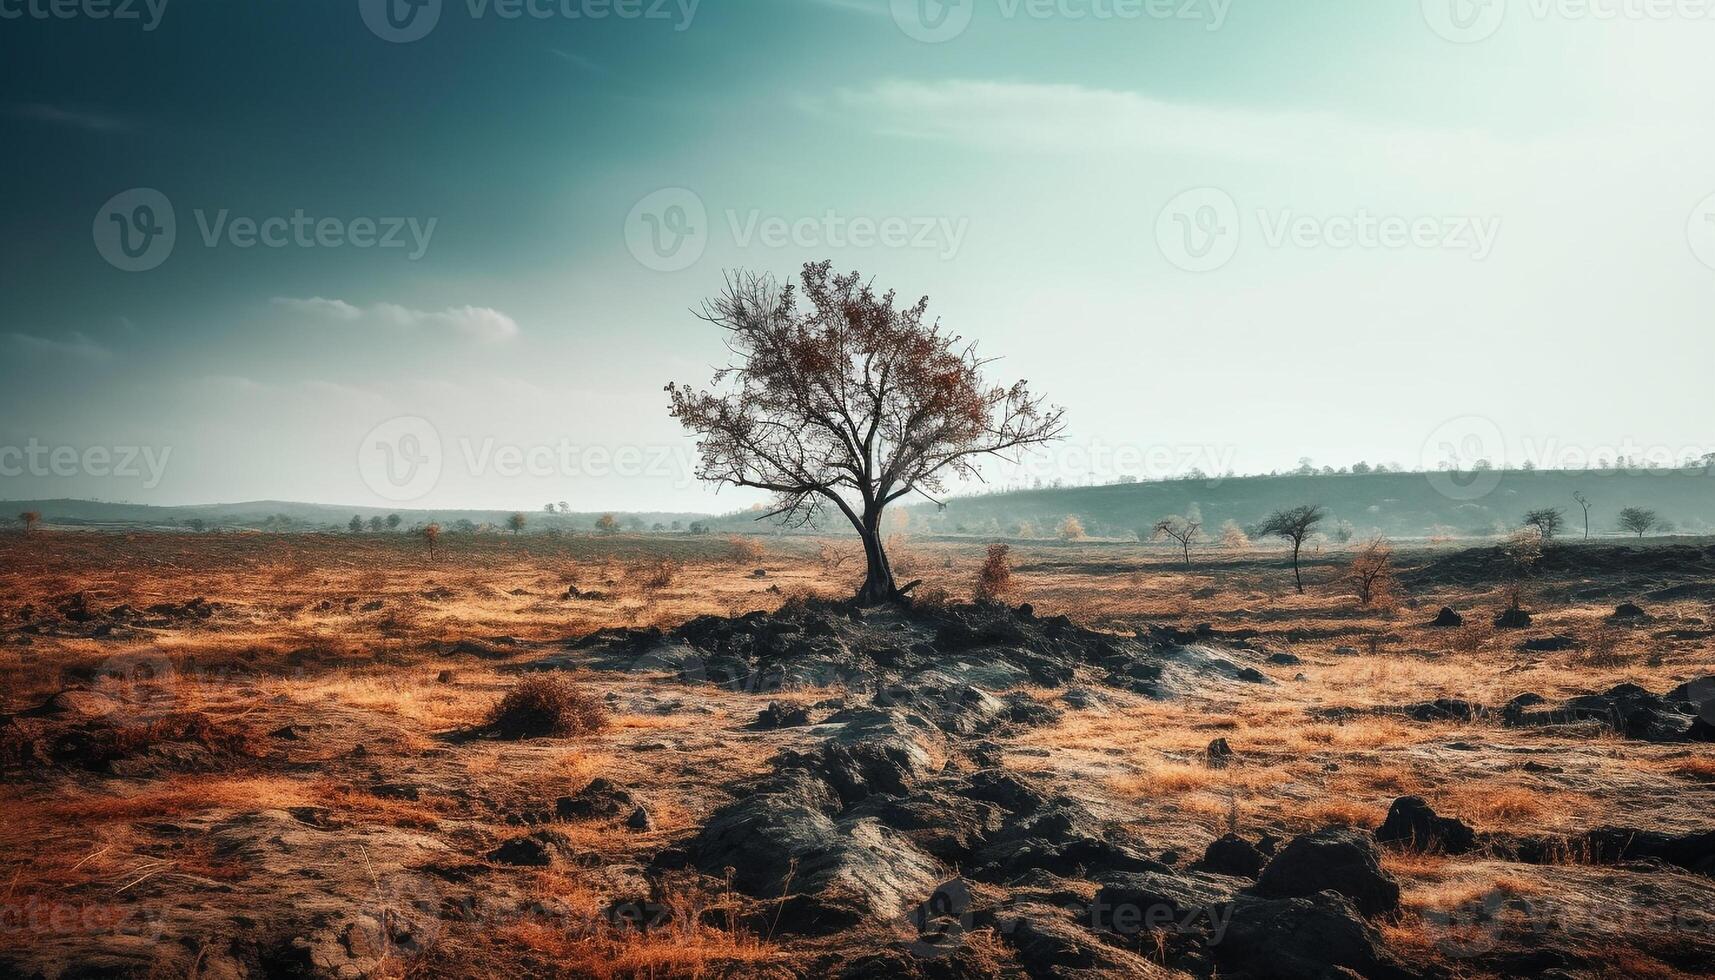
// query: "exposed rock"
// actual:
[[786, 843], [1447, 618], [1052, 942], [1512, 619], [1548, 644], [780, 715], [1411, 824], [1233, 855], [1310, 938], [1218, 754], [1629, 610], [1134, 902], [876, 751], [601, 799], [1335, 859], [535, 850], [640, 820]]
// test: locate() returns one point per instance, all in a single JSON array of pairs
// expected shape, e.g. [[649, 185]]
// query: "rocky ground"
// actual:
[[272, 757]]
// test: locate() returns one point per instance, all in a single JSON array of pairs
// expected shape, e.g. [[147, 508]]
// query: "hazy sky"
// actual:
[[1223, 234]]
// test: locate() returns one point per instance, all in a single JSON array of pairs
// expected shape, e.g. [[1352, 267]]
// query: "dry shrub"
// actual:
[[541, 705], [744, 550], [656, 575], [833, 555], [994, 578], [1470, 637], [1071, 529], [1371, 575], [1233, 537], [931, 597], [1604, 648]]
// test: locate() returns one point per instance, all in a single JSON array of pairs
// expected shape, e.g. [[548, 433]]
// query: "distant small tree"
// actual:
[[376, 524], [1372, 572], [607, 524], [1548, 520], [1293, 525], [565, 508], [31, 520], [1181, 529], [197, 524], [1523, 551], [657, 527], [431, 535], [678, 525], [1638, 520], [1234, 537], [1071, 529], [516, 522], [393, 522], [994, 578], [549, 508], [355, 526], [465, 525], [697, 527], [1343, 532], [1583, 502]]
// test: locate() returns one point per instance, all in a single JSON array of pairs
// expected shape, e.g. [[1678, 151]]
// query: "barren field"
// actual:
[[281, 755]]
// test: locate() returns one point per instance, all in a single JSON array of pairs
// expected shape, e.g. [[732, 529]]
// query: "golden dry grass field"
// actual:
[[251, 754]]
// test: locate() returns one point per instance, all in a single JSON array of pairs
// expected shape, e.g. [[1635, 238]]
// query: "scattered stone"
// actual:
[[780, 715], [1318, 937], [640, 820], [1233, 855], [1218, 754], [1548, 644], [1335, 859], [1447, 618], [533, 850], [1412, 825], [1629, 610], [602, 799], [1284, 659], [1512, 619]]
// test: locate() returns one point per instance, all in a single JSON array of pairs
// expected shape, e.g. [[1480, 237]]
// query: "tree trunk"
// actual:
[[1297, 575], [878, 585]]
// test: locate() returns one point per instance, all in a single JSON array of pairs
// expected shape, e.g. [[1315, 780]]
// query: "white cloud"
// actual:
[[1079, 119], [77, 345], [472, 322]]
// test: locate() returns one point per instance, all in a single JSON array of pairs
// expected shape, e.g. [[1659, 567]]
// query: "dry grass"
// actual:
[[544, 704]]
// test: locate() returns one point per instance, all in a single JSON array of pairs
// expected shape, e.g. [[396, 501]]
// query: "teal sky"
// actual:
[[1555, 301]]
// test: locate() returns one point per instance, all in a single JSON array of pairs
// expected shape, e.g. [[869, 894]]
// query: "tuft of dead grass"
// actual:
[[542, 704]]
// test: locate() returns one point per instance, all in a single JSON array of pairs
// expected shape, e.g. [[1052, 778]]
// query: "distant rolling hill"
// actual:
[[1401, 505]]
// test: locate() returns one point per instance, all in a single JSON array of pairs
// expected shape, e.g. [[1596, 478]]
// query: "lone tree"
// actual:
[[1181, 529], [1583, 502], [1294, 525], [1548, 520], [393, 522], [607, 524], [432, 535], [838, 399], [356, 525], [31, 520], [515, 523], [1638, 521]]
